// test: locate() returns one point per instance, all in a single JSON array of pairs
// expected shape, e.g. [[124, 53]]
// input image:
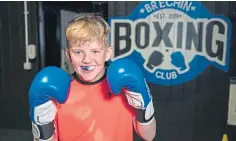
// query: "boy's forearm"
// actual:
[[147, 132]]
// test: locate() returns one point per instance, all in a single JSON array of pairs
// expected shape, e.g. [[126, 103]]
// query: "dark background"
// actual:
[[193, 111]]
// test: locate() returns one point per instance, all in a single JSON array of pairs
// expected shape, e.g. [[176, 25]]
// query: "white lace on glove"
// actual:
[[45, 113], [134, 99]]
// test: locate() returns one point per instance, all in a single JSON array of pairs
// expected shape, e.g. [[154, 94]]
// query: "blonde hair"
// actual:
[[87, 27]]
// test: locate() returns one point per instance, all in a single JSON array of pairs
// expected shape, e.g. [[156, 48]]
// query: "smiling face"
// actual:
[[88, 59], [88, 49]]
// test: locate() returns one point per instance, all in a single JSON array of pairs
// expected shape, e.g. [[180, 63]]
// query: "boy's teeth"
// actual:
[[88, 67]]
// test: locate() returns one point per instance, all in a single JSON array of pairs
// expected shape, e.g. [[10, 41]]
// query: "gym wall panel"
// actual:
[[14, 80], [195, 110]]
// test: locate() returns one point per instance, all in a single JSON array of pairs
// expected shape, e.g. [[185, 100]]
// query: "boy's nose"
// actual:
[[87, 59]]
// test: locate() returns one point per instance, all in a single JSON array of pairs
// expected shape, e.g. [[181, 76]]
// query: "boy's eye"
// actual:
[[77, 52], [95, 51]]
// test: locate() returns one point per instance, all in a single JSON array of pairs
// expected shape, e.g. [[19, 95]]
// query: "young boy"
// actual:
[[90, 111]]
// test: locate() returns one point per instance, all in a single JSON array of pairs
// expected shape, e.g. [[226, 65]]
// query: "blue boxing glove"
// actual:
[[51, 83], [124, 74]]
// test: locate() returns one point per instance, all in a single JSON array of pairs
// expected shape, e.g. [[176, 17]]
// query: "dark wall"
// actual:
[[14, 80], [196, 110]]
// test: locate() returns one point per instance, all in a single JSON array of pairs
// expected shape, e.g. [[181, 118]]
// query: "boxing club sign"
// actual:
[[172, 42]]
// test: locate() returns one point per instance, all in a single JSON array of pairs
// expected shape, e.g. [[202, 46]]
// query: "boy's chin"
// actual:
[[90, 78]]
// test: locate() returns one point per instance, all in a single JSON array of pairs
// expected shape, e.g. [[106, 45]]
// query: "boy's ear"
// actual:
[[67, 54], [109, 53]]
